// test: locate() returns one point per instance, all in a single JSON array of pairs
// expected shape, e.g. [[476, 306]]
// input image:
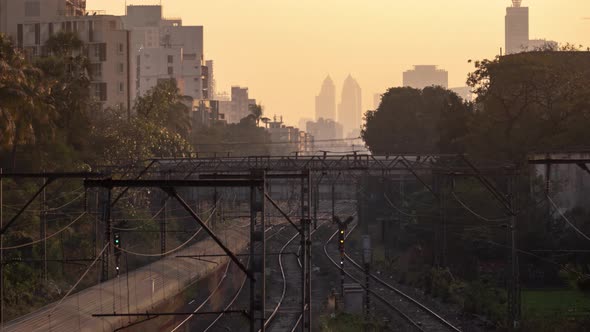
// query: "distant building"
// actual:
[[211, 84], [463, 92], [323, 129], [156, 64], [325, 102], [350, 108], [517, 27], [376, 100], [31, 23], [288, 140], [206, 113], [303, 122], [149, 31], [517, 31], [239, 105], [426, 75]]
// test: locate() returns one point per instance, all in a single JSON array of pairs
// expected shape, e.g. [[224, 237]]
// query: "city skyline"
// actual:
[[254, 44]]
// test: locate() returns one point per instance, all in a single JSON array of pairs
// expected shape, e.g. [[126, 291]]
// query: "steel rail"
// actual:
[[239, 291], [379, 297], [401, 293], [275, 311]]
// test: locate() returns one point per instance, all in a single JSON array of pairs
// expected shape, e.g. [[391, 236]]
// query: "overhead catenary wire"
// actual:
[[475, 213], [173, 250], [403, 212], [145, 221], [566, 219], [278, 143], [78, 282], [46, 238]]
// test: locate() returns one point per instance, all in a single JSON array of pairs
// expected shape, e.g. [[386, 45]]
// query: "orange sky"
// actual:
[[282, 49]]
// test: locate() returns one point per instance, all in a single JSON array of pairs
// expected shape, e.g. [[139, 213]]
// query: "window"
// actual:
[[96, 50], [190, 56], [121, 48], [113, 25], [20, 35], [32, 8], [91, 31], [120, 68], [121, 87], [102, 51], [37, 34], [171, 59], [96, 71], [170, 70], [100, 91]]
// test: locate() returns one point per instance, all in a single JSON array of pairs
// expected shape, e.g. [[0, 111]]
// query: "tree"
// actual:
[[24, 112], [118, 141], [67, 71], [530, 101], [256, 111], [411, 120], [164, 106]]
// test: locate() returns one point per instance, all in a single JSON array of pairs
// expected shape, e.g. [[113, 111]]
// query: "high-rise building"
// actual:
[[30, 24], [426, 75], [325, 102], [323, 129], [158, 64], [149, 31], [211, 84], [517, 27], [350, 107]]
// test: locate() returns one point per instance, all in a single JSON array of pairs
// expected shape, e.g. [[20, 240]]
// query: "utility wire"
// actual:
[[402, 212], [48, 237], [173, 250], [475, 213], [567, 220], [79, 280], [277, 143]]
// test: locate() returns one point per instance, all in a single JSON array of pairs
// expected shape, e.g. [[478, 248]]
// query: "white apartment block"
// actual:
[[30, 23], [151, 32], [150, 68]]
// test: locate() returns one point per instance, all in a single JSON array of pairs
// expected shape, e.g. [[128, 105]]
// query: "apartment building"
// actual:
[[159, 39], [30, 23]]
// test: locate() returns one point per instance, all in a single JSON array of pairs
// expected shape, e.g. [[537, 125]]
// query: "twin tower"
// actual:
[[349, 110]]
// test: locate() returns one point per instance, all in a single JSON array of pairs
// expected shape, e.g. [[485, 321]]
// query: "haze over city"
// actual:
[[282, 50], [282, 165]]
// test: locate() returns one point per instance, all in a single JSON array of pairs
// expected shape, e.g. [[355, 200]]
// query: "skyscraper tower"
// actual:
[[517, 27], [350, 108], [325, 102]]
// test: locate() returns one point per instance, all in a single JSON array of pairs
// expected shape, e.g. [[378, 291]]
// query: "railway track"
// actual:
[[224, 282], [288, 318], [417, 316], [286, 313]]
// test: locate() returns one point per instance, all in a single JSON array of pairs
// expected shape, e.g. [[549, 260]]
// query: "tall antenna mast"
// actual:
[[516, 3]]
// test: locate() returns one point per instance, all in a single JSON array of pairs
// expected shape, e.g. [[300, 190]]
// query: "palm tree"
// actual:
[[256, 111], [24, 113]]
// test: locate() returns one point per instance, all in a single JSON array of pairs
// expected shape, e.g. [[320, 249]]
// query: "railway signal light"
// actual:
[[117, 243], [117, 247]]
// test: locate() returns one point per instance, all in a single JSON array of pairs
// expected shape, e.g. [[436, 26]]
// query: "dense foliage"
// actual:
[[457, 247], [50, 121]]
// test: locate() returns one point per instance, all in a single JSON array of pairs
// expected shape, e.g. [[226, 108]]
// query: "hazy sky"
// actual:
[[283, 49]]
